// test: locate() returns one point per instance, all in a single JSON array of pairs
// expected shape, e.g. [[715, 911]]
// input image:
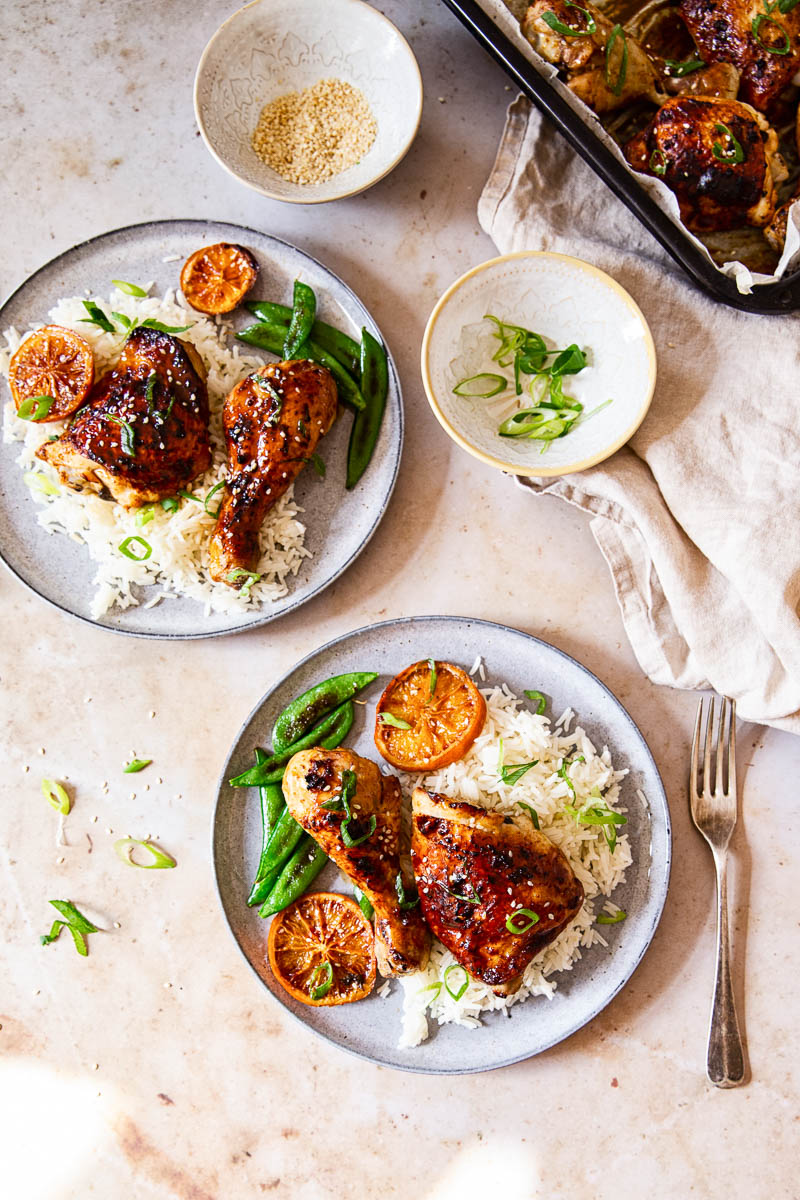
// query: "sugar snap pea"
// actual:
[[272, 805], [340, 345], [300, 871], [285, 836], [335, 738], [304, 310], [299, 716], [337, 722], [272, 338], [367, 423]]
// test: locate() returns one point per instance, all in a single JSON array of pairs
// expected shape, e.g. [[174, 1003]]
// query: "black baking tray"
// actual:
[[781, 296]]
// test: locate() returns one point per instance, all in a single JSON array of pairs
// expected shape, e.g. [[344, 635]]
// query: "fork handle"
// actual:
[[725, 1060]]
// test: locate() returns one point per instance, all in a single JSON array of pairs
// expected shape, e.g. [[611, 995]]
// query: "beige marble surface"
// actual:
[[158, 1067]]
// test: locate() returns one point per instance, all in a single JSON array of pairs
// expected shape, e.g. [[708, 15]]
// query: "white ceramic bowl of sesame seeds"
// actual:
[[358, 121]]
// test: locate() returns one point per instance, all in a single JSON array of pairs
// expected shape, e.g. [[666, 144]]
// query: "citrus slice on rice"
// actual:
[[428, 717], [321, 950], [217, 278], [53, 364]]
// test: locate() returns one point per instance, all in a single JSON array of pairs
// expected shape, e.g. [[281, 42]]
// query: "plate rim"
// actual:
[[394, 376], [536, 472], [666, 865]]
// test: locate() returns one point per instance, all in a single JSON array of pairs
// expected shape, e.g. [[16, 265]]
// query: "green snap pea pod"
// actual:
[[367, 423], [363, 903], [339, 344], [300, 871], [265, 770], [272, 337], [335, 738], [283, 841], [304, 310], [304, 712], [272, 805]]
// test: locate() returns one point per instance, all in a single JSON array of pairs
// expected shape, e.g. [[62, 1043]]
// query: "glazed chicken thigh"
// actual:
[[143, 432], [759, 39], [582, 55], [369, 855], [475, 869], [719, 157], [273, 421]]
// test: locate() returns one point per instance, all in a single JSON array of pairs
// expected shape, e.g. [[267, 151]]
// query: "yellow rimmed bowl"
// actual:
[[567, 301], [272, 47]]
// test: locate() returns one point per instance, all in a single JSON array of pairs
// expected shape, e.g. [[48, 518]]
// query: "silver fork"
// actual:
[[714, 814]]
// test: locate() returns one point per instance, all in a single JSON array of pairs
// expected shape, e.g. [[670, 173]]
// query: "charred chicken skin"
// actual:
[[143, 432], [603, 85], [755, 36], [719, 157], [272, 421], [370, 856], [475, 869]]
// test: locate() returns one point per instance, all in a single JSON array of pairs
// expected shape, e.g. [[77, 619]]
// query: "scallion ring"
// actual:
[[678, 69], [559, 26], [540, 698], [481, 386], [733, 155], [658, 161], [406, 901], [161, 860], [765, 19], [130, 289], [528, 920], [611, 918], [145, 515], [323, 972], [136, 765], [125, 548], [240, 573], [448, 971], [473, 899], [618, 84], [347, 836], [35, 408], [171, 504], [56, 796], [391, 719], [214, 512]]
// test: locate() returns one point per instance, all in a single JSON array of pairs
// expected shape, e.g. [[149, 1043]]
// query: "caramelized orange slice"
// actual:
[[217, 278], [429, 716], [321, 950], [53, 364]]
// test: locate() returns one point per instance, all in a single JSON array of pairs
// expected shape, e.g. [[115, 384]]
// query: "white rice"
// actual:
[[476, 779], [179, 561]]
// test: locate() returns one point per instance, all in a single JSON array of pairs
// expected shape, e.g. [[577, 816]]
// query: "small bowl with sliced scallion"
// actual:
[[538, 363]]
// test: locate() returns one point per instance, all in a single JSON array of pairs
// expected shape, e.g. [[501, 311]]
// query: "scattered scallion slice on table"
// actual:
[[124, 848], [56, 796], [78, 925], [136, 765]]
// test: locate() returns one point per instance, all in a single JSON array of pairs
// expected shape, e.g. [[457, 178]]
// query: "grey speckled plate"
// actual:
[[338, 523], [371, 1028]]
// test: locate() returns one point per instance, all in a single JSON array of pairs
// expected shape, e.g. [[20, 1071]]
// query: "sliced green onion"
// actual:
[[75, 921], [318, 465], [35, 407], [348, 838], [52, 936], [658, 162], [532, 813], [189, 495], [274, 395], [124, 848], [127, 438], [240, 573], [124, 321], [40, 483], [608, 919], [563, 769], [448, 971], [145, 515], [765, 19], [677, 68], [432, 987], [552, 20], [482, 386], [97, 317], [473, 899], [406, 901], [529, 919], [569, 362], [216, 511], [160, 328], [171, 504], [56, 796], [733, 155], [540, 698], [342, 801], [150, 389], [618, 84], [130, 289], [786, 6], [321, 980], [433, 679], [125, 548], [136, 765], [599, 814], [391, 719], [512, 775]]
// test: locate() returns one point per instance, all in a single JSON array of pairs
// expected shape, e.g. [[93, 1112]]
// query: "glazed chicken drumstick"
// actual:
[[143, 432], [322, 787], [494, 894], [273, 421]]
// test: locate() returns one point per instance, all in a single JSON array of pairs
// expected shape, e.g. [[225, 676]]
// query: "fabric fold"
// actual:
[[697, 517]]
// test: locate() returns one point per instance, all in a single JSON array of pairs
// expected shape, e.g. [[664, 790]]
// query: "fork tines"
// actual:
[[724, 755]]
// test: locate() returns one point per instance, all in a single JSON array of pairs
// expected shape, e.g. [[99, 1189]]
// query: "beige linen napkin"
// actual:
[[698, 517]]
